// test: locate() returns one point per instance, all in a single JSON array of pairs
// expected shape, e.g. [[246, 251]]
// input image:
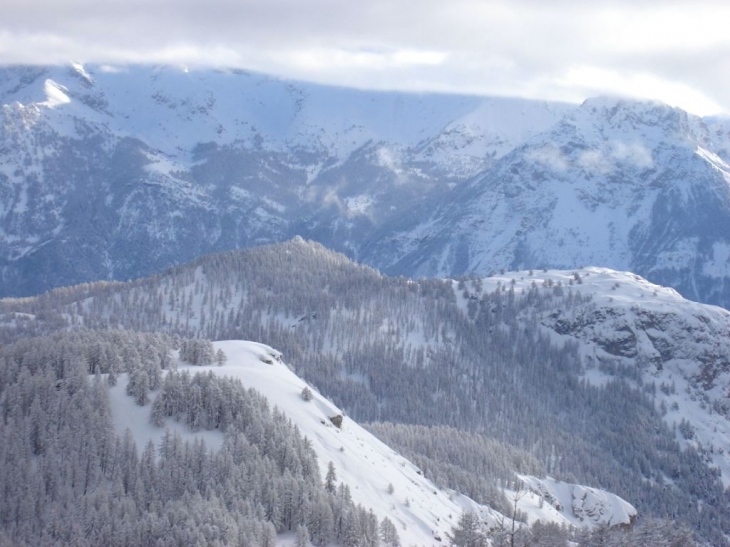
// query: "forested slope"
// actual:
[[482, 356]]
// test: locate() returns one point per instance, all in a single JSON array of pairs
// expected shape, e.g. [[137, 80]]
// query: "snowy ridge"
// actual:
[[183, 163], [173, 109], [680, 349], [593, 343], [420, 511], [365, 464]]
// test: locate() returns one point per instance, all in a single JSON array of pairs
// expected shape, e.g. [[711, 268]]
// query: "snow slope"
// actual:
[[172, 109], [421, 511], [365, 464]]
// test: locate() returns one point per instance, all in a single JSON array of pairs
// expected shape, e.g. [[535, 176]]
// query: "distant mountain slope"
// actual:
[[582, 369], [635, 186], [117, 172], [675, 350], [114, 173]]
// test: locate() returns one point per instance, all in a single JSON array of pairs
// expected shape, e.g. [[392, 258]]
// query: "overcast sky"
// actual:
[[674, 51]]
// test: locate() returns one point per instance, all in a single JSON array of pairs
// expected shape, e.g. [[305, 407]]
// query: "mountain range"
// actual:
[[590, 376], [118, 172]]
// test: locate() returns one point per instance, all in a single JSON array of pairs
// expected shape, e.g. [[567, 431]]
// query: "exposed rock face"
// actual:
[[650, 336]]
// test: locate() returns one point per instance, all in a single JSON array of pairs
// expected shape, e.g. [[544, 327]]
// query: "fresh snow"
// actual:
[[172, 109], [55, 95], [128, 415], [421, 511], [361, 461], [631, 185]]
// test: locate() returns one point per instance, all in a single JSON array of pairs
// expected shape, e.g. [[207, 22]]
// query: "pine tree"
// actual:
[[351, 530], [330, 479], [268, 538], [141, 387], [302, 536], [389, 533], [467, 533]]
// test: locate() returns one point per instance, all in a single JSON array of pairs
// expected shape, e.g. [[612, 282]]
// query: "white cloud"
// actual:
[[322, 59], [635, 153], [595, 162], [549, 156], [590, 81], [675, 51]]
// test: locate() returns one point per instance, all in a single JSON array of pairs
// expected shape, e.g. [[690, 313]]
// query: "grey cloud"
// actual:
[[523, 47]]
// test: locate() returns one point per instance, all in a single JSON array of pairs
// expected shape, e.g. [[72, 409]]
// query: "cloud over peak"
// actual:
[[677, 52]]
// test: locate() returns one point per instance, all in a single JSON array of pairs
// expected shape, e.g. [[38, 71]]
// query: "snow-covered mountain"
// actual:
[[125, 438], [635, 186], [116, 172], [600, 376], [419, 510], [676, 350], [578, 505]]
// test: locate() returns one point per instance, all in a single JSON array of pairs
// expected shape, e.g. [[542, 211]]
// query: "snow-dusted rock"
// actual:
[[579, 505]]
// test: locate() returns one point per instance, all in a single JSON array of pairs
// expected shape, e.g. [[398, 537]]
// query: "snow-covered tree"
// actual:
[[330, 480], [468, 532]]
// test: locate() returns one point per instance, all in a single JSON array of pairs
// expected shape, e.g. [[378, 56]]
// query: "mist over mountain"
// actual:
[[116, 172]]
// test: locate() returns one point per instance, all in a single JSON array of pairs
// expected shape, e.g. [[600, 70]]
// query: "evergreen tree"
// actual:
[[389, 533], [330, 479], [468, 532], [302, 536]]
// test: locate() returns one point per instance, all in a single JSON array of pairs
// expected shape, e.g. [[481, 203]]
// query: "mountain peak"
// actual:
[[631, 114], [621, 101]]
